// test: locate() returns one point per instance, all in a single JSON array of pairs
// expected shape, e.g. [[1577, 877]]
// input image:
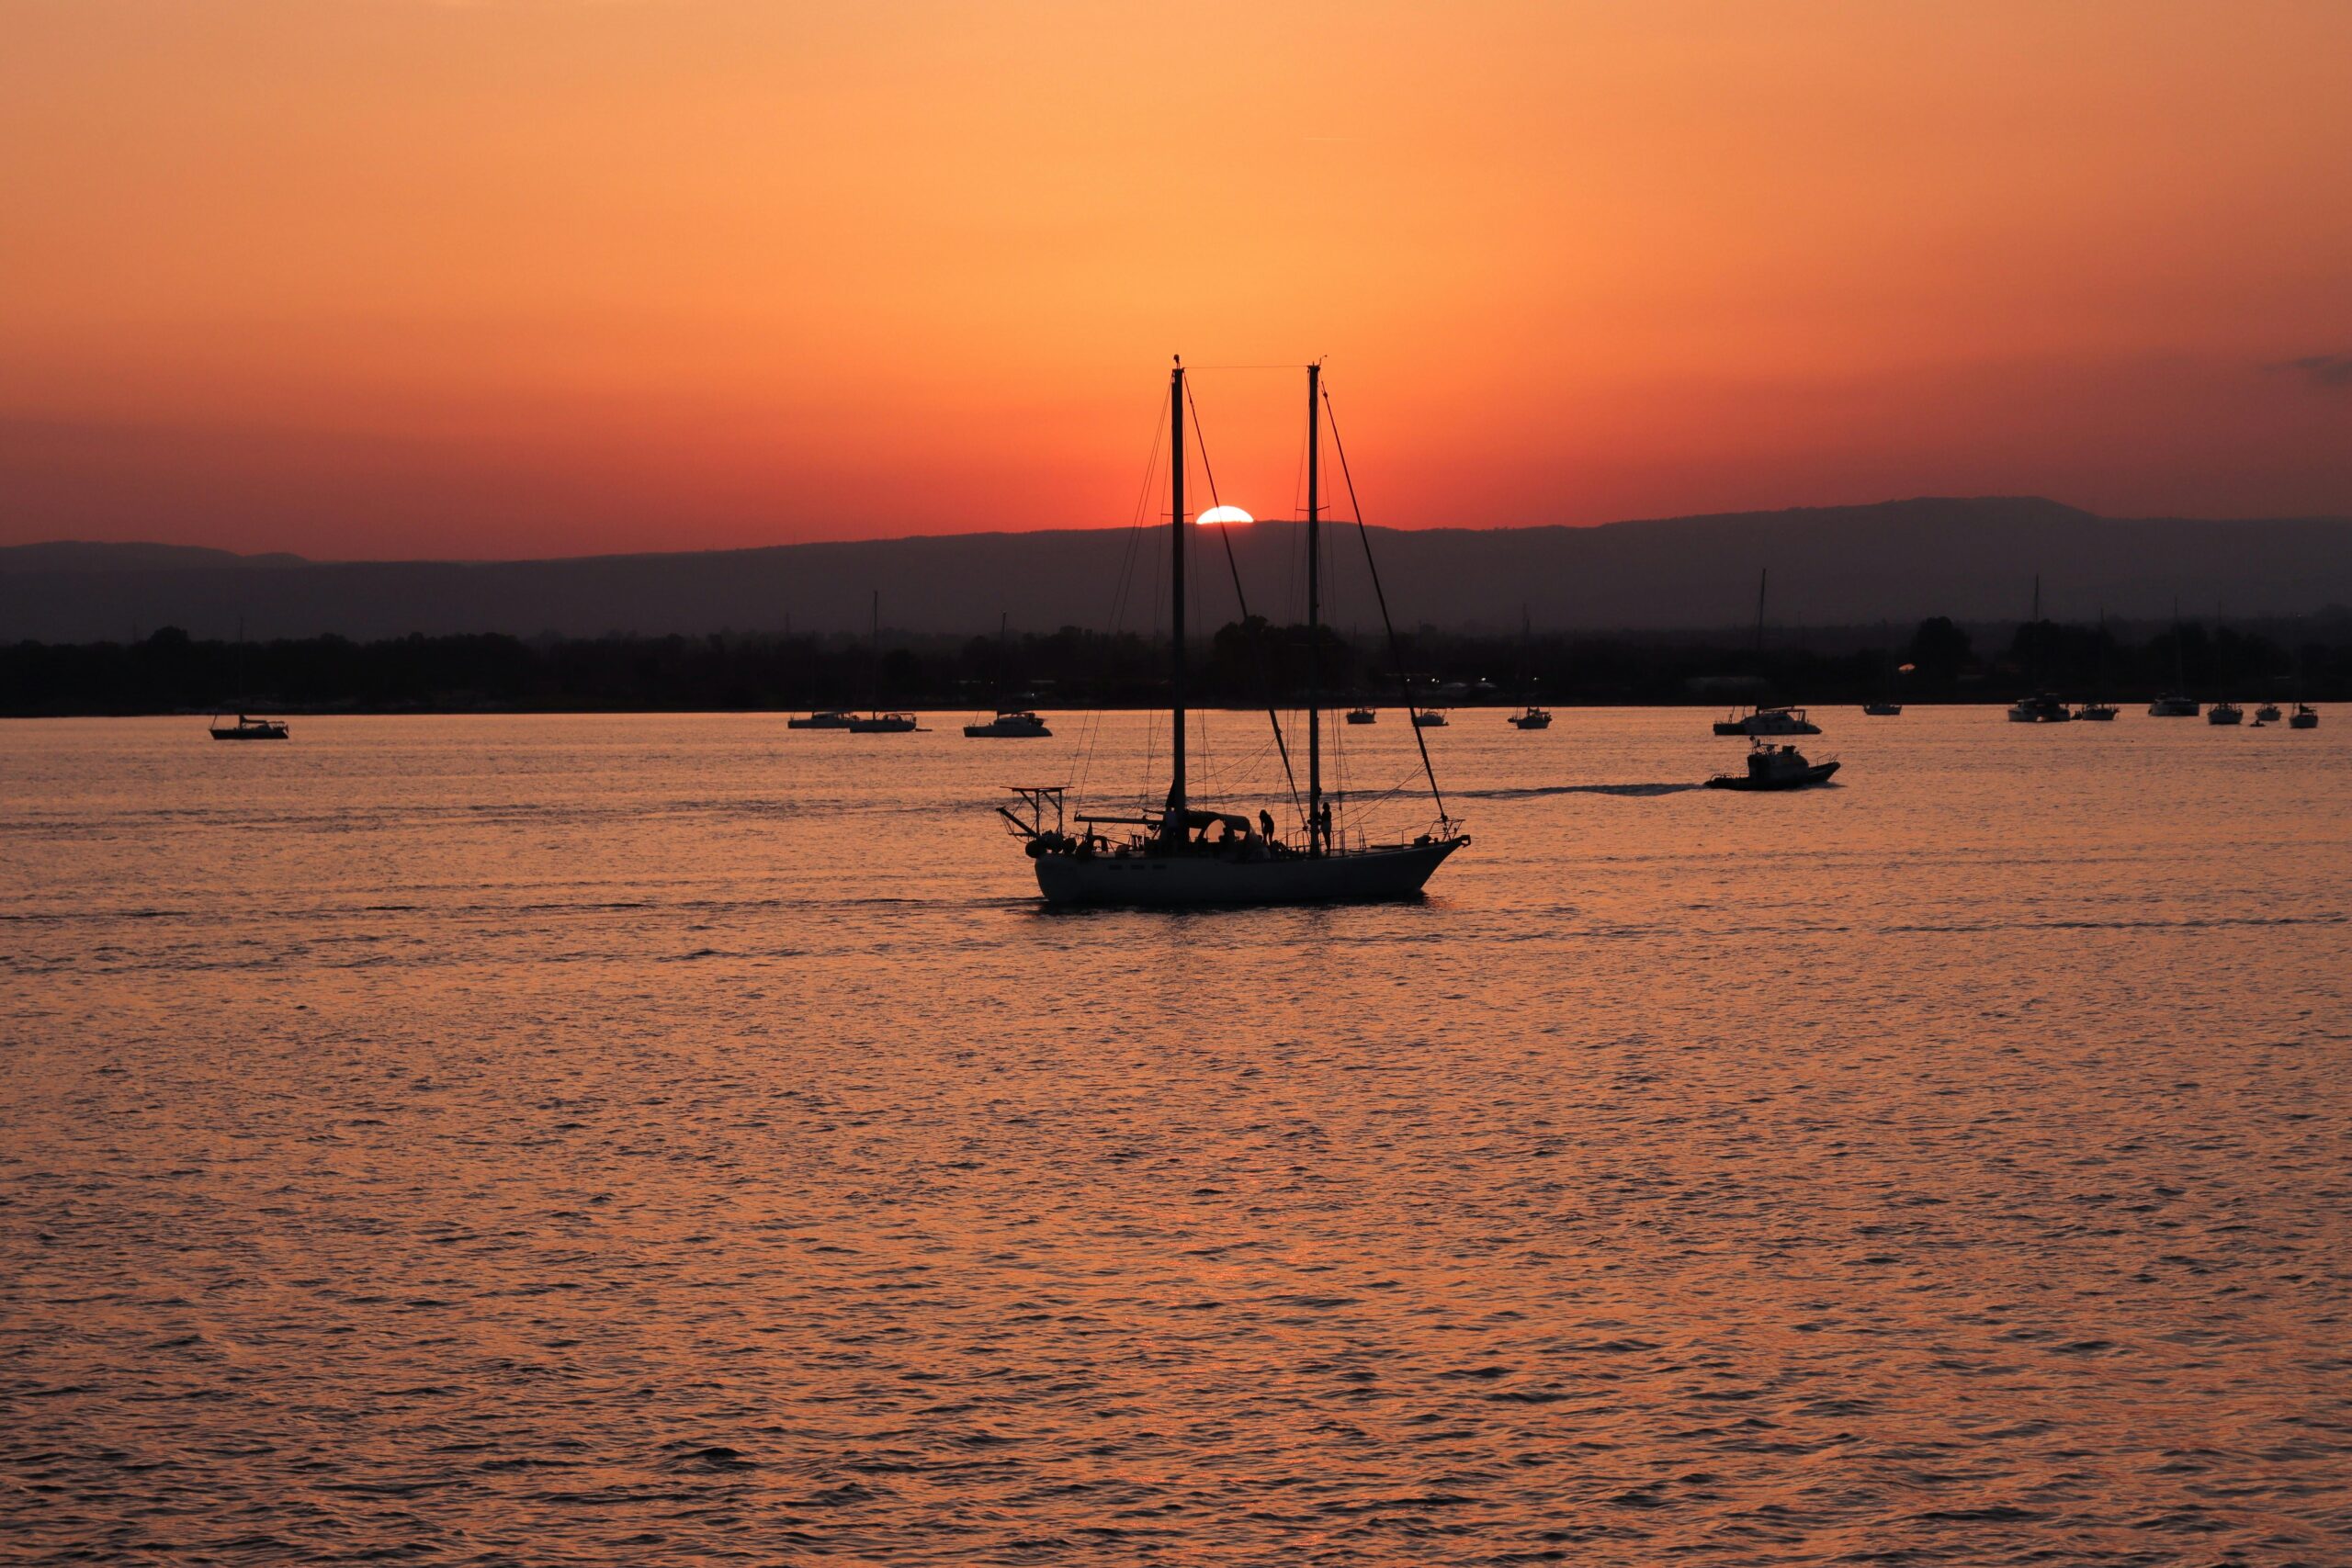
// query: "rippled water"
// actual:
[[650, 1139]]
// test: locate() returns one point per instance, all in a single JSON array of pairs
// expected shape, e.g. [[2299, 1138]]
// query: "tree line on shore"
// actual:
[[1243, 664]]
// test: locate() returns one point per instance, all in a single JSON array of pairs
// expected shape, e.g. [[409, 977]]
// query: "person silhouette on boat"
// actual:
[[1266, 824]]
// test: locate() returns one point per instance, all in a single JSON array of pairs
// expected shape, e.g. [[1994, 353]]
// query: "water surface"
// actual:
[[673, 1139]]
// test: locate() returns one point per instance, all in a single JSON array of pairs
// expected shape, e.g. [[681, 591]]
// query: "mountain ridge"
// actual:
[[1972, 558]]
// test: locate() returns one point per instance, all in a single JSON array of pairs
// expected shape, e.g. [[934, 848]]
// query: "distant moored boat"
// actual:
[[1768, 721], [249, 729], [875, 721], [2042, 707], [1010, 724]]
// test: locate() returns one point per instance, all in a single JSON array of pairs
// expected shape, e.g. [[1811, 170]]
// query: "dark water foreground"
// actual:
[[672, 1140]]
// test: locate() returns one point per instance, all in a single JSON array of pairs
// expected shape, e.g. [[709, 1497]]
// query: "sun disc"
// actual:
[[1223, 516]]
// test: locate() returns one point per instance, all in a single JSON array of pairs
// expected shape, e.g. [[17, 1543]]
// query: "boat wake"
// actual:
[[1539, 792]]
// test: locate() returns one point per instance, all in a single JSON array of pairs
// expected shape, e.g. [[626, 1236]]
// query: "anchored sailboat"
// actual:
[[247, 728], [1756, 721], [2041, 707], [1186, 853], [875, 721], [2175, 704], [1533, 715], [1007, 724]]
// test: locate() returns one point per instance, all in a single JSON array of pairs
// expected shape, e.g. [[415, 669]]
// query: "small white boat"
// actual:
[[1428, 718], [2266, 714], [1533, 718], [882, 724], [1768, 721], [2305, 716], [1363, 715], [1009, 724], [2172, 706], [2096, 713], [2225, 713]]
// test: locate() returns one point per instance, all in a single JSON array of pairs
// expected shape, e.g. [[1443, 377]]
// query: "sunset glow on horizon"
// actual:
[[390, 278]]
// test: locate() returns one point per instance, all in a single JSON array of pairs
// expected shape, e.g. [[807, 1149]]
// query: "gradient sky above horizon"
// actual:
[[368, 278]]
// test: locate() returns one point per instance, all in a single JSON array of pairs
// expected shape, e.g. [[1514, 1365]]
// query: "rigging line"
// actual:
[[1395, 650], [1257, 648], [1090, 730], [1143, 523]]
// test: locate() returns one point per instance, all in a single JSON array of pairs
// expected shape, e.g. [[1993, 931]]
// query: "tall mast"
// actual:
[[1171, 825], [2033, 630], [1763, 576], [1315, 837], [875, 695]]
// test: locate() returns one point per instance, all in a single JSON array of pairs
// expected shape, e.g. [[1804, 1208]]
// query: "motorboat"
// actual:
[[830, 719], [1010, 724], [1363, 715], [1185, 853], [1776, 767], [1428, 718], [2042, 707], [2266, 714], [1882, 710], [2096, 713], [2225, 713], [1533, 718], [2170, 705], [2305, 716], [248, 728], [1768, 721]]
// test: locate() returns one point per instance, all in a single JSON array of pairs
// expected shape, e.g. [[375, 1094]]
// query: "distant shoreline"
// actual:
[[1243, 666]]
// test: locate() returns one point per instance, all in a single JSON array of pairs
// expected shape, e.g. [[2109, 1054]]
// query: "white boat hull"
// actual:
[[1392, 871]]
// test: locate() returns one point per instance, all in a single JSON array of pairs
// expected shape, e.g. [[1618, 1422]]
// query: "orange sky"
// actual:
[[402, 277]]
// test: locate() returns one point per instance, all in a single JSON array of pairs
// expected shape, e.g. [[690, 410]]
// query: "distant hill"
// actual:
[[74, 555], [1973, 560]]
